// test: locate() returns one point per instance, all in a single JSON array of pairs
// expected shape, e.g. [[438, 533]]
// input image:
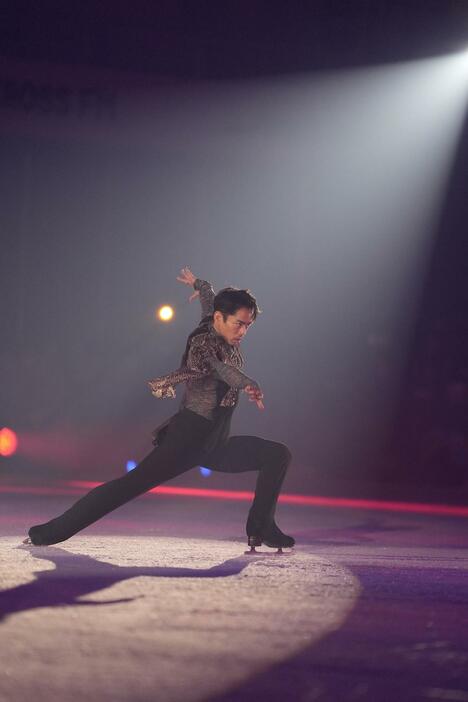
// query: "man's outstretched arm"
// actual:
[[202, 357], [203, 289]]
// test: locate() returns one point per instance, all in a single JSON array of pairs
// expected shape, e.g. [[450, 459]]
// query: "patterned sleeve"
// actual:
[[202, 357], [207, 296]]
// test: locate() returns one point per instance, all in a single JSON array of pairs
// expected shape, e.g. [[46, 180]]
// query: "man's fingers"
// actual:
[[255, 395], [186, 273]]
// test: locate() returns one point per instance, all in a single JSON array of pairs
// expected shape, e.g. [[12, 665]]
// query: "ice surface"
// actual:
[[153, 618]]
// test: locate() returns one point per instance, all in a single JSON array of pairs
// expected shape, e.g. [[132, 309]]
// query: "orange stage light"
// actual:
[[8, 442]]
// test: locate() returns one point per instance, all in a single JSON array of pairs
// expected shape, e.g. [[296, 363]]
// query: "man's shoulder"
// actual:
[[203, 339], [200, 339]]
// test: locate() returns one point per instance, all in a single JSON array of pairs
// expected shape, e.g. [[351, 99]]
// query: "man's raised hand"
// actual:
[[188, 278]]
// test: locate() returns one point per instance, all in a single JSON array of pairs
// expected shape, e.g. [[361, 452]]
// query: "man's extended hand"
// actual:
[[188, 278], [255, 395]]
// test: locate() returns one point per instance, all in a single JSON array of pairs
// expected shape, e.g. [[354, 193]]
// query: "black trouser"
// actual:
[[181, 450]]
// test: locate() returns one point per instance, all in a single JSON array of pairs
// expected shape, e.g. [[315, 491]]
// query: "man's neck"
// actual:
[[220, 336]]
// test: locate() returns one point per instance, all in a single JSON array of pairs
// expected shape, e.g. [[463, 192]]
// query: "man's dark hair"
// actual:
[[229, 300]]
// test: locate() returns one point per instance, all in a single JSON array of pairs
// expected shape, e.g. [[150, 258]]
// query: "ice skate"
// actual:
[[29, 542], [273, 537]]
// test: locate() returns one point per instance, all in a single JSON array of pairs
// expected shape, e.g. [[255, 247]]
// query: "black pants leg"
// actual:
[[179, 452], [270, 458]]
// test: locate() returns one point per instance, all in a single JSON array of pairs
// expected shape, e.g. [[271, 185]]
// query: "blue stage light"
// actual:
[[205, 471], [131, 465]]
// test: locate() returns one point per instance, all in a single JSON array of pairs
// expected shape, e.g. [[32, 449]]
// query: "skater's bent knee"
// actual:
[[283, 453]]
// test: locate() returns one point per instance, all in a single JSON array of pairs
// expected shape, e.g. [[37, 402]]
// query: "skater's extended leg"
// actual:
[[178, 454]]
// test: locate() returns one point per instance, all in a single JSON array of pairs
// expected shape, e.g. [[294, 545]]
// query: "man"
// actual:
[[198, 434]]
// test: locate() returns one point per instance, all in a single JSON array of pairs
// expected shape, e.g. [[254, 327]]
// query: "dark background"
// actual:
[[204, 40], [97, 222]]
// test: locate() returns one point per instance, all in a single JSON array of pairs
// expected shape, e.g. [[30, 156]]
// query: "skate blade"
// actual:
[[28, 542], [278, 552]]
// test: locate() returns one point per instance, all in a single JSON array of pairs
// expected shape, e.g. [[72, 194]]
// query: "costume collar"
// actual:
[[229, 349], [216, 335]]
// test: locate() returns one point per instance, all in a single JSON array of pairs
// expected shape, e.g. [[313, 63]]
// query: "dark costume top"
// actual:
[[210, 368]]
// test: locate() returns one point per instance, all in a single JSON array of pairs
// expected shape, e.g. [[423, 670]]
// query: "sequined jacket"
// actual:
[[210, 368]]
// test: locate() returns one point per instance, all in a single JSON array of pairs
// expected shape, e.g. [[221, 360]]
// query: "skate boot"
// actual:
[[271, 536], [274, 538], [33, 538], [254, 532]]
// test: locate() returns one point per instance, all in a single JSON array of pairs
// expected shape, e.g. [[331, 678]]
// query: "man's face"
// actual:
[[236, 325]]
